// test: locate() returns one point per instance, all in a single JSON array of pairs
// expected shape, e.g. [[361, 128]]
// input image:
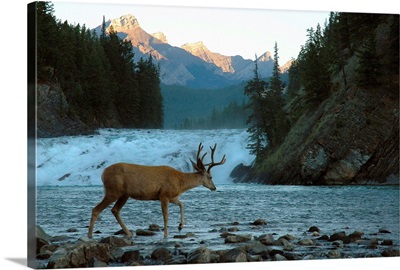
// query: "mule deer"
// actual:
[[123, 181]]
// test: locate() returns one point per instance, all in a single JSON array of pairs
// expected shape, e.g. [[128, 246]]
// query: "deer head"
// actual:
[[200, 167]]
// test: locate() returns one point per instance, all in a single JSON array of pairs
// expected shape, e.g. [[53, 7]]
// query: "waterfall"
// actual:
[[80, 160]]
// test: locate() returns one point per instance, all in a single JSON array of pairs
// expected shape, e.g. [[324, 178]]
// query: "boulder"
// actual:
[[238, 238], [313, 229], [79, 255], [154, 228], [356, 235], [114, 241], [131, 256], [234, 255], [199, 255], [161, 254], [259, 222], [340, 236], [140, 232], [306, 242], [266, 239]]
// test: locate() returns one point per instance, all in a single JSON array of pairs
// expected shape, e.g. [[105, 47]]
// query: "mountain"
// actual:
[[192, 65]]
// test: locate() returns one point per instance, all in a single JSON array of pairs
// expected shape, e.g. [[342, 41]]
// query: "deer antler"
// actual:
[[212, 164], [199, 166]]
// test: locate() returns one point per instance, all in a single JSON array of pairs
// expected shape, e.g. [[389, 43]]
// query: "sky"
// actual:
[[229, 31]]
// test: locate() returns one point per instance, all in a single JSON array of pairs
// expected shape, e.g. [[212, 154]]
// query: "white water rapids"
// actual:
[[80, 160]]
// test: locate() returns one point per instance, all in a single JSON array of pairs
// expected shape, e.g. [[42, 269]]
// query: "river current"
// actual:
[[69, 186]]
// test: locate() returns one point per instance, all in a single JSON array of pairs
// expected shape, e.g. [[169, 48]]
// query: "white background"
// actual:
[[13, 113]]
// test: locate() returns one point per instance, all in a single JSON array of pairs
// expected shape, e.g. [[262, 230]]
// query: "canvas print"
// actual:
[[166, 135]]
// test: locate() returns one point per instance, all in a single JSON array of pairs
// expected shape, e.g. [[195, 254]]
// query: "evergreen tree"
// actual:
[[257, 127]]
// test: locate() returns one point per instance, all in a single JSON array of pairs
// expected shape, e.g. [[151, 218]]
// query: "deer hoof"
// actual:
[[180, 227]]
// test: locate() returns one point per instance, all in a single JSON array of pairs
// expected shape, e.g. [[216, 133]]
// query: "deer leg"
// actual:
[[116, 212], [107, 200], [164, 208], [178, 202]]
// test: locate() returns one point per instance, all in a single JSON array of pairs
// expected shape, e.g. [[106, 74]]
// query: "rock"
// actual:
[[79, 255], [154, 228], [114, 241], [72, 230], [119, 232], [356, 235], [288, 237], [182, 236], [306, 242], [315, 234], [199, 255], [44, 255], [384, 231], [324, 238], [340, 236], [40, 243], [390, 253], [260, 249], [334, 254], [259, 222], [279, 257], [313, 229], [177, 259], [235, 223], [337, 243], [131, 256], [226, 234], [238, 238], [387, 242], [233, 229], [266, 239], [234, 255], [140, 232], [161, 254]]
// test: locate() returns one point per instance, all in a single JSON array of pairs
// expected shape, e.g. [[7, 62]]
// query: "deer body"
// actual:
[[123, 181]]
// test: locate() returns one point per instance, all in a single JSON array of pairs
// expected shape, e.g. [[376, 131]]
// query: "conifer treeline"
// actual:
[[371, 39], [98, 76]]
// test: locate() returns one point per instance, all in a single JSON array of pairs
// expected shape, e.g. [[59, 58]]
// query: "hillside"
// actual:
[[350, 134]]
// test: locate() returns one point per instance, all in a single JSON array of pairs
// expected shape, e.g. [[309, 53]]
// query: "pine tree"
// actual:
[[257, 128]]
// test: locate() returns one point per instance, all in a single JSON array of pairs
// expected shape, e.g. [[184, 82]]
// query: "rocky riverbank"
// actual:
[[262, 245]]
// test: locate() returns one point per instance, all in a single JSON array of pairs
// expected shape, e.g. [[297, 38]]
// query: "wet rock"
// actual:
[[233, 229], [313, 229], [324, 238], [72, 230], [96, 263], [387, 242], [356, 235], [234, 255], [288, 237], [259, 222], [114, 241], [177, 259], [182, 236], [292, 256], [140, 232], [40, 233], [79, 255], [337, 243], [390, 253], [266, 239], [161, 254], [340, 236], [238, 238], [131, 256], [118, 232], [306, 242], [315, 234], [226, 234], [235, 223], [154, 228], [334, 254], [199, 255], [44, 255], [384, 231], [260, 249], [279, 257], [40, 243]]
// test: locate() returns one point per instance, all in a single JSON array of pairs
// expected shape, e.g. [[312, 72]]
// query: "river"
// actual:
[[69, 186]]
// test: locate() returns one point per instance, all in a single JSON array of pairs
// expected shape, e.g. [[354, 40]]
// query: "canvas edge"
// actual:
[[31, 136]]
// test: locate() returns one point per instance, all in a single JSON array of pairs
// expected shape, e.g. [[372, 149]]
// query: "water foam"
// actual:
[[80, 160]]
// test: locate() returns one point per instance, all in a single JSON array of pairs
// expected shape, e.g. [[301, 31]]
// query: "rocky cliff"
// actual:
[[353, 138]]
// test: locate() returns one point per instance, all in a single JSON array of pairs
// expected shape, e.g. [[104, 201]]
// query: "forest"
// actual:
[[337, 121], [97, 74]]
